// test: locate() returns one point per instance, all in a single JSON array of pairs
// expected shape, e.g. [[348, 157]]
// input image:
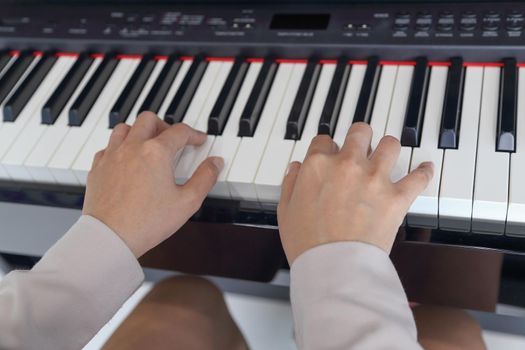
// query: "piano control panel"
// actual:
[[434, 23]]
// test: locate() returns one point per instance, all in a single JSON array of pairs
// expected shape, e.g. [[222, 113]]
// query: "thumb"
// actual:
[[203, 179]]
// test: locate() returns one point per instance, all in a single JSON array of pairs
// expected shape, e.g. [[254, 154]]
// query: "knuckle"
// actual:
[[152, 149], [317, 158], [391, 140], [361, 127], [182, 128], [148, 116]]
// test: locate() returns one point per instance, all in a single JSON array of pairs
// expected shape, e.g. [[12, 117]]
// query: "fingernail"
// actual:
[[218, 162], [429, 165]]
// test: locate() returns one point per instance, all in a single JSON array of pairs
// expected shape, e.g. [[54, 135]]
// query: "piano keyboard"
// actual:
[[57, 111]]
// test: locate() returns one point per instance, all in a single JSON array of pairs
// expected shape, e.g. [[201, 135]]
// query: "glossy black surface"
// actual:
[[160, 89], [254, 106], [508, 107], [451, 117], [86, 99], [334, 99], [366, 99], [128, 97], [302, 101], [412, 128], [227, 97], [56, 103], [181, 101]]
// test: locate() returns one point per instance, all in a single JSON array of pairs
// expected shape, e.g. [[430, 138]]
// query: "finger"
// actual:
[[118, 135], [96, 159], [416, 181], [179, 135], [322, 144], [358, 140], [202, 180], [289, 183], [386, 154], [148, 125]]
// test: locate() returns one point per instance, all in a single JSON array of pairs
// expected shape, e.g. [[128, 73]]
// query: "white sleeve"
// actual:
[[71, 292], [348, 295]]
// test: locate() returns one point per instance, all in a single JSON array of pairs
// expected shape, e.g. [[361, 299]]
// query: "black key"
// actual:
[[224, 104], [14, 73], [5, 57], [254, 106], [18, 100], [161, 87], [508, 105], [411, 134], [303, 100], [86, 99], [181, 101], [55, 104], [334, 99], [451, 117], [120, 111], [365, 102]]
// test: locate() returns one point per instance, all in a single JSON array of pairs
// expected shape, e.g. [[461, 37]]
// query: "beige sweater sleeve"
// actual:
[[71, 293], [348, 295]]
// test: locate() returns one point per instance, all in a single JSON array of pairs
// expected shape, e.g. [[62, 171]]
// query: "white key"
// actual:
[[226, 145], [396, 119], [346, 115], [382, 103], [13, 161], [424, 210], [100, 137], [36, 162], [492, 168], [250, 151], [314, 114], [278, 149], [67, 152], [10, 130], [174, 87], [516, 215], [193, 156], [457, 176]]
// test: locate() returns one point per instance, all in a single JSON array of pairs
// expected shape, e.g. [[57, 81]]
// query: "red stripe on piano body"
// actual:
[[358, 62], [482, 64], [67, 54], [97, 55], [220, 59], [291, 60], [129, 57], [38, 53], [328, 61], [397, 63], [186, 58], [14, 53], [161, 57], [254, 60]]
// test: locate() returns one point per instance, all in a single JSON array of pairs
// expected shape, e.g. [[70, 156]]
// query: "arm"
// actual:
[[338, 217], [71, 292], [132, 204]]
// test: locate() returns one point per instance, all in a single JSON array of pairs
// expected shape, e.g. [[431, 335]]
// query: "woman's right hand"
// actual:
[[346, 195]]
